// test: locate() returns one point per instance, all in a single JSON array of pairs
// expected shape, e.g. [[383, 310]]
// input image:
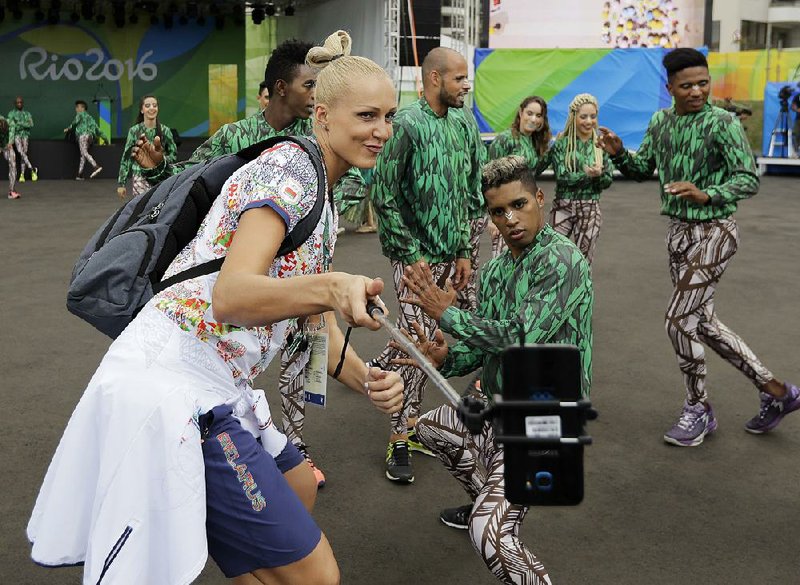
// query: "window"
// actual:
[[754, 35], [714, 43]]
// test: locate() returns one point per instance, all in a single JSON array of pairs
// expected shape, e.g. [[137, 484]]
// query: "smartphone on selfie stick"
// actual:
[[539, 420]]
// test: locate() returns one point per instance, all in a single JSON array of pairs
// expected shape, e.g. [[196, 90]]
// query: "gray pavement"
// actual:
[[723, 513]]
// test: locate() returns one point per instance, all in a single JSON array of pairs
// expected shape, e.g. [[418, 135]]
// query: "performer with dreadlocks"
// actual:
[[705, 166], [147, 124], [582, 172], [528, 137]]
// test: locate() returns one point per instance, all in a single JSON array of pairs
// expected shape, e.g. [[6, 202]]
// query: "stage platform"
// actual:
[[778, 165], [58, 159]]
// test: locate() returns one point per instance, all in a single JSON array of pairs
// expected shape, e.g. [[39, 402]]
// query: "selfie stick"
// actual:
[[374, 311]]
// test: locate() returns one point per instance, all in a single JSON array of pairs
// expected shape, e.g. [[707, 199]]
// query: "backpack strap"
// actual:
[[296, 237]]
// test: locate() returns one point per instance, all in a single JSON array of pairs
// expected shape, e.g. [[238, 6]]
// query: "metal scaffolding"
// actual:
[[391, 38]]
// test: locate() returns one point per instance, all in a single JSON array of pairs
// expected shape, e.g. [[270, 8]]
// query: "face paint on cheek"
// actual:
[[509, 215]]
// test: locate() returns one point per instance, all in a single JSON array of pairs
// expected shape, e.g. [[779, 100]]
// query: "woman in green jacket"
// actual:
[[582, 172], [147, 124], [529, 137]]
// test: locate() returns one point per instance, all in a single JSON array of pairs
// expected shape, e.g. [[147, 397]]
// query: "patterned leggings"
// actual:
[[468, 296], [11, 158], [477, 463], [84, 142], [413, 378], [699, 252], [291, 384], [22, 149], [580, 221], [139, 185]]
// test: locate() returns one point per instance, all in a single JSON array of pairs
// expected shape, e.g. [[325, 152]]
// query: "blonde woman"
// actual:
[[529, 137], [160, 463], [582, 172]]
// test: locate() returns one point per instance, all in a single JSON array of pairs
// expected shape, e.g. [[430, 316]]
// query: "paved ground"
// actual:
[[724, 513]]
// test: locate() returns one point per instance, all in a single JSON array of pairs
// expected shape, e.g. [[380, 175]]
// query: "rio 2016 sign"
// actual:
[[40, 65]]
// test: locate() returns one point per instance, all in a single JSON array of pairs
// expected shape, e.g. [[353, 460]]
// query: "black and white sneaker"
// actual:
[[398, 463], [456, 517]]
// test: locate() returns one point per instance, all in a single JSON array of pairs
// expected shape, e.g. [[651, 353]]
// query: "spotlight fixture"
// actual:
[[118, 12], [87, 11], [257, 14], [270, 9], [289, 10]]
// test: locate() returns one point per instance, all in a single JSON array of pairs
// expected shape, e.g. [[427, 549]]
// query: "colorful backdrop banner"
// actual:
[[742, 76], [629, 85], [51, 66], [596, 23]]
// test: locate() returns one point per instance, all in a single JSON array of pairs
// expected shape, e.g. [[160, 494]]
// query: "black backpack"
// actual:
[[122, 266]]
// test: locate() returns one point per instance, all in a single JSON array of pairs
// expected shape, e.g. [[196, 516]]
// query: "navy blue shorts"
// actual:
[[254, 519]]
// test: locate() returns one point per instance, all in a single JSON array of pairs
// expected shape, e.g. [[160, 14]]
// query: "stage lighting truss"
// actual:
[[122, 12]]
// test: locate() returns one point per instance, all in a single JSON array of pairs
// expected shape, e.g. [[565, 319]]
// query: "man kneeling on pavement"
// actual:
[[541, 284]]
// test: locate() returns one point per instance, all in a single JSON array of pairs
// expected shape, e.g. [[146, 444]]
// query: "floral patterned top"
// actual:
[[284, 179]]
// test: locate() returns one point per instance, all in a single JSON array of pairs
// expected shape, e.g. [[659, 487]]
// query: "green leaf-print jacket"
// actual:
[[708, 148], [546, 292], [128, 166], [426, 185], [506, 144], [85, 125], [22, 122], [576, 184]]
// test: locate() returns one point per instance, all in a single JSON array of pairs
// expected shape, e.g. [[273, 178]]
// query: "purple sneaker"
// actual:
[[696, 421], [773, 410]]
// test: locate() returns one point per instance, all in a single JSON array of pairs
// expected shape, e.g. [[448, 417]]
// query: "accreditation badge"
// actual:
[[316, 372]]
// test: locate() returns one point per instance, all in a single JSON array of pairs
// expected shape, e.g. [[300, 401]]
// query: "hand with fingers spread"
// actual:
[[435, 350], [688, 191], [385, 390], [418, 279], [608, 141], [148, 154]]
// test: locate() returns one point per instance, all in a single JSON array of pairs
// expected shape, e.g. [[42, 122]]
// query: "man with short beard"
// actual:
[[426, 191]]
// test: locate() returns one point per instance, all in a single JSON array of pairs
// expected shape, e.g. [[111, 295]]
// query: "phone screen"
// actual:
[[541, 475]]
